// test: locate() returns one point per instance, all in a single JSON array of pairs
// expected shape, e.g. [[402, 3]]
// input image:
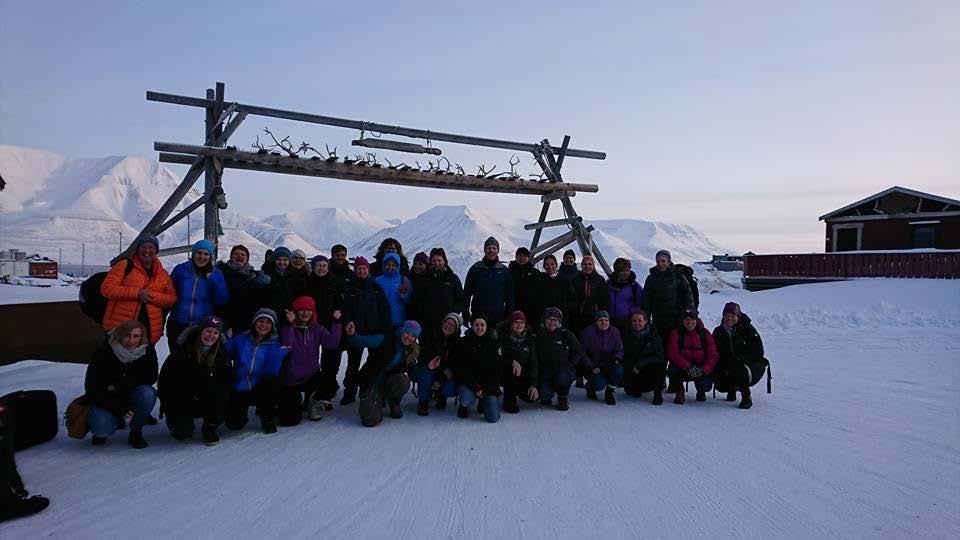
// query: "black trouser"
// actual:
[[351, 380], [514, 387], [11, 485], [290, 403], [174, 329], [329, 367], [264, 396], [209, 402], [650, 378], [729, 378]]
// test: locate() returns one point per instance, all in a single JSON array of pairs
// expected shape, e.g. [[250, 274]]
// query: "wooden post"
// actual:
[[211, 214]]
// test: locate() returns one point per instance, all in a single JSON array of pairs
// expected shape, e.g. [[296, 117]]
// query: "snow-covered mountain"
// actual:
[[56, 202]]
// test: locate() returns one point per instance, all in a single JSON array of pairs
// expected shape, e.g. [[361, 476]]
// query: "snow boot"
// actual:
[[480, 406], [26, 506], [152, 420], [563, 403], [181, 434], [395, 411], [99, 441], [608, 396], [745, 401], [441, 402], [731, 396], [315, 408], [136, 439], [658, 397], [210, 436], [349, 396], [680, 398], [463, 412], [591, 394], [701, 395], [423, 409], [510, 405], [268, 425]]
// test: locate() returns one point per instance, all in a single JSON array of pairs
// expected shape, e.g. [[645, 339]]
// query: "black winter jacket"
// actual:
[[247, 295], [488, 290], [109, 381], [592, 295], [665, 294], [478, 362], [643, 350], [556, 351], [183, 375], [365, 304], [523, 350], [742, 346], [556, 292], [439, 294], [325, 293], [526, 287]]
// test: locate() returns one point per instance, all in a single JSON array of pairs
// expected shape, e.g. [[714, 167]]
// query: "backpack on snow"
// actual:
[[687, 273], [32, 415], [92, 302]]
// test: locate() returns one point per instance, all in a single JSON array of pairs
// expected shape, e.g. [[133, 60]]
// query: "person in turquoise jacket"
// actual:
[[201, 289], [397, 288], [256, 356]]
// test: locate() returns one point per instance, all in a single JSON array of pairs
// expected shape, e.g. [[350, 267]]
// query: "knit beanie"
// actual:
[[523, 251], [282, 252], [690, 313], [569, 253], [242, 248], [147, 239], [516, 316], [265, 313], [304, 302], [421, 258], [204, 245], [553, 313], [491, 242], [392, 257], [409, 327], [300, 254], [621, 264], [440, 252], [601, 314], [456, 317], [664, 253], [211, 321], [360, 261], [318, 259], [731, 307]]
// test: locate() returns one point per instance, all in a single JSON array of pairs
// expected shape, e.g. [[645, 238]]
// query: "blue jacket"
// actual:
[[254, 362], [198, 294], [488, 290], [391, 282]]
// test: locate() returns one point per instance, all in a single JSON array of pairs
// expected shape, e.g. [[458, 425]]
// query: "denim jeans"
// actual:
[[609, 375], [559, 383], [103, 423], [425, 379], [491, 407]]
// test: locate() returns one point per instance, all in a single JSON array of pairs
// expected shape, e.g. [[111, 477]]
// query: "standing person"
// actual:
[[257, 357], [201, 290], [740, 349], [520, 377], [15, 500], [602, 357], [568, 269], [389, 245], [665, 294], [488, 289], [439, 294], [419, 274], [247, 289], [298, 273], [301, 372], [365, 305], [643, 359], [626, 295], [119, 384], [323, 287], [384, 377], [592, 295], [396, 287], [526, 284], [558, 355], [282, 280], [139, 289], [434, 375], [692, 355], [340, 266], [478, 368], [555, 290], [195, 381]]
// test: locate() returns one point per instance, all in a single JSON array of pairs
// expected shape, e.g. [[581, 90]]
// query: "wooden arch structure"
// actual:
[[214, 156]]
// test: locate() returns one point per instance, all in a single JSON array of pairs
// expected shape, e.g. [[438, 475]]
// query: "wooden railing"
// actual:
[[899, 264]]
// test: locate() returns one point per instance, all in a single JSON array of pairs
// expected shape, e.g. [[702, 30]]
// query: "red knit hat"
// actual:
[[305, 302], [516, 316]]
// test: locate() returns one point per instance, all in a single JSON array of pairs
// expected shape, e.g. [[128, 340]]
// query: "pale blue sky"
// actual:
[[747, 120]]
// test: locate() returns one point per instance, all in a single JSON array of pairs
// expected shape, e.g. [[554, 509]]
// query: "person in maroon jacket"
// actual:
[[693, 356]]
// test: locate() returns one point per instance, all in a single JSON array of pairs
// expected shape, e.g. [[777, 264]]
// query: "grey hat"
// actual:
[[456, 317], [266, 313], [147, 239], [491, 242], [665, 253], [553, 313], [601, 314]]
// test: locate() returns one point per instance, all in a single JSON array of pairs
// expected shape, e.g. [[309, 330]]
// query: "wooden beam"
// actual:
[[557, 195], [231, 127], [543, 215], [386, 129], [237, 159], [557, 243], [180, 215], [551, 223], [174, 251]]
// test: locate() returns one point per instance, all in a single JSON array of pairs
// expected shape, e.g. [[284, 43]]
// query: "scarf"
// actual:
[[126, 356], [243, 269]]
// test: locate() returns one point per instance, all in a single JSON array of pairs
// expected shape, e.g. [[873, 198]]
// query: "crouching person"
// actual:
[[558, 355], [257, 357], [383, 378], [195, 381], [301, 372], [119, 384], [478, 367], [602, 354], [693, 357], [643, 363], [433, 374], [520, 359], [741, 362]]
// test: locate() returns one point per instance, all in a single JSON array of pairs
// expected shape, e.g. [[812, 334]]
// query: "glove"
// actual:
[[262, 279], [694, 372]]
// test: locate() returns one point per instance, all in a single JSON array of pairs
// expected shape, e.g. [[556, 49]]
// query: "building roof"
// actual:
[[898, 189]]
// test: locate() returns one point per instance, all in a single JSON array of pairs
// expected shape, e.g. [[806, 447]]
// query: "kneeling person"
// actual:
[[301, 372], [644, 368], [257, 357], [693, 356], [741, 362], [558, 355]]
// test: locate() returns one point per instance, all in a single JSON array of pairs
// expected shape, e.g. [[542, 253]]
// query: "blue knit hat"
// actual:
[[282, 252], [317, 259], [204, 244], [410, 327]]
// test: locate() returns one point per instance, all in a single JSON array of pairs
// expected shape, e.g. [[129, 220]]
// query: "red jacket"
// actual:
[[692, 351], [123, 295]]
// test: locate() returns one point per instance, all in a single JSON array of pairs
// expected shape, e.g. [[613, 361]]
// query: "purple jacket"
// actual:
[[624, 297], [600, 349], [304, 357]]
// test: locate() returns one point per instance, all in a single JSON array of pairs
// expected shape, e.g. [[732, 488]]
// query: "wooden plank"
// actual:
[[174, 251], [544, 224], [180, 215], [544, 210], [231, 127]]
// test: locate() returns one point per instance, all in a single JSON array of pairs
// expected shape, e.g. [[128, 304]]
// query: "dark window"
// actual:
[[846, 239], [924, 236]]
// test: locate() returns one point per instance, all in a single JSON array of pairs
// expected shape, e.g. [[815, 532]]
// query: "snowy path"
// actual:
[[861, 438]]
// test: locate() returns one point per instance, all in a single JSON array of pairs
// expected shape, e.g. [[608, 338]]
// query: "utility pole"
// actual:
[[83, 259], [120, 247]]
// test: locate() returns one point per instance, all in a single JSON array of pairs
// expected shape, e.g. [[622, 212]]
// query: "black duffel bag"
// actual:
[[33, 417]]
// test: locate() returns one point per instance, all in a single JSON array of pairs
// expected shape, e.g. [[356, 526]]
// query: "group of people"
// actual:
[[274, 337]]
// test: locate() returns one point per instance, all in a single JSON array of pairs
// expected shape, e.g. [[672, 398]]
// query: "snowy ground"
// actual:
[[861, 438]]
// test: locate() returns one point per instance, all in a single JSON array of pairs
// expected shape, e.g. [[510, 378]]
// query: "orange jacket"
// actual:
[[123, 295]]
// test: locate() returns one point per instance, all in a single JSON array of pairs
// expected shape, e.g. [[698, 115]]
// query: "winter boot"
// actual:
[[396, 411], [480, 406], [136, 439], [608, 396], [463, 412], [423, 409], [731, 396], [510, 405], [315, 408], [99, 441], [563, 403], [268, 424], [26, 506], [441, 402], [701, 395], [349, 396], [658, 397], [680, 398], [210, 436], [591, 393], [152, 420], [181, 434], [745, 401]]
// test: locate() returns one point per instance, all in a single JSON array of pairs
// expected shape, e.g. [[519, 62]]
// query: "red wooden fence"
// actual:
[[943, 265]]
